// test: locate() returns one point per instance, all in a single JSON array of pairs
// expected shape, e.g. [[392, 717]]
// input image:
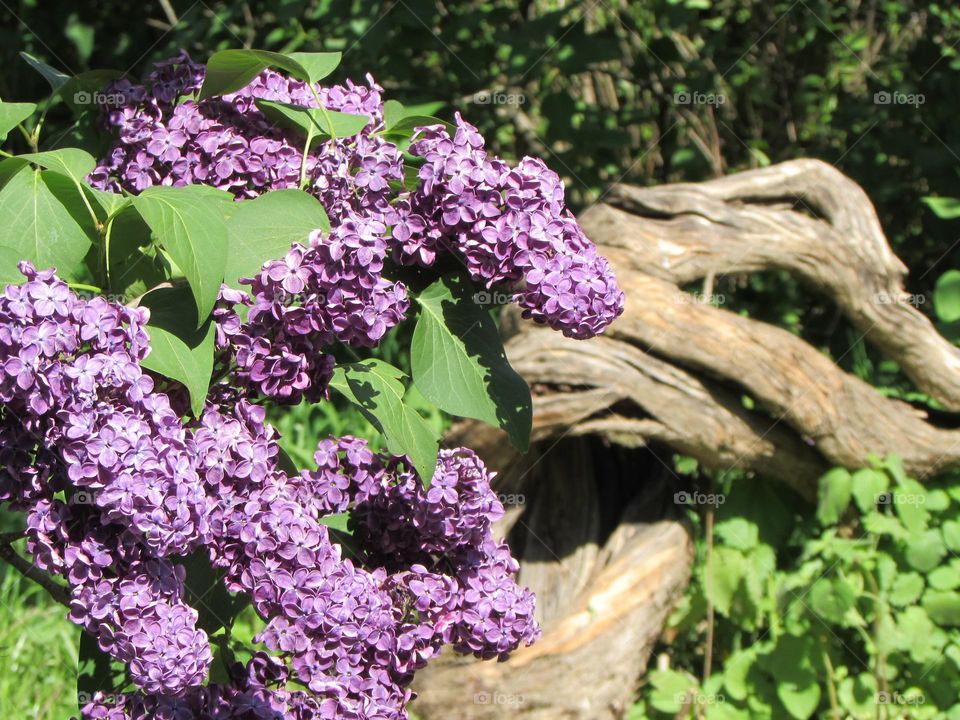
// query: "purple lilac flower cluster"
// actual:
[[348, 625], [330, 291], [80, 417], [511, 228], [508, 225], [256, 692]]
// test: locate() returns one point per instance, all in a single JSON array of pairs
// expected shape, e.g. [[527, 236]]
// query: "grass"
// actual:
[[38, 652]]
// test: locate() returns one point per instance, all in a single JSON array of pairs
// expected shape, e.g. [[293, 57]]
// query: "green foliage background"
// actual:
[[598, 89]]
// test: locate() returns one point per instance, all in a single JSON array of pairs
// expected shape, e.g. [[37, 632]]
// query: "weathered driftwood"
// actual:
[[673, 372]]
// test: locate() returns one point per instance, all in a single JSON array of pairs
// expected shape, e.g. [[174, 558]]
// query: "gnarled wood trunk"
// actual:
[[598, 535]]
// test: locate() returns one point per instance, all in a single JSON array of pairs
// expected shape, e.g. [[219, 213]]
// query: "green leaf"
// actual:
[[231, 70], [670, 689], [110, 203], [186, 222], [868, 486], [943, 207], [53, 76], [942, 607], [951, 535], [9, 167], [178, 349], [906, 589], [833, 599], [38, 227], [69, 194], [946, 296], [317, 65], [458, 361], [136, 264], [925, 551], [408, 124], [75, 164], [798, 685], [834, 495], [206, 593], [300, 119], [729, 569], [12, 114], [9, 274], [735, 671], [265, 228], [393, 112], [944, 577], [375, 387], [909, 504], [738, 532], [877, 523], [98, 672], [339, 522], [402, 121]]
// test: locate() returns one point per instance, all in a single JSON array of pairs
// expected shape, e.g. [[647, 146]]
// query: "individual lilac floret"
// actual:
[[511, 228]]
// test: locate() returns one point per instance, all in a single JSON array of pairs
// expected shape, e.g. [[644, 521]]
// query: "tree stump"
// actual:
[[593, 520]]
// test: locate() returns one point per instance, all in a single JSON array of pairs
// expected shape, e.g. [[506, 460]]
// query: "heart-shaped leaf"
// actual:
[[303, 119], [38, 227], [12, 114]]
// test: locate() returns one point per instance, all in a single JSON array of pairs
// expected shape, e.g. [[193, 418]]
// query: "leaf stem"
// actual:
[[86, 201], [107, 229]]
